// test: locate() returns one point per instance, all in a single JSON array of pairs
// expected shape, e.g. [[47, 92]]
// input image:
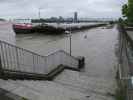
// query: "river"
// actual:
[[97, 45]]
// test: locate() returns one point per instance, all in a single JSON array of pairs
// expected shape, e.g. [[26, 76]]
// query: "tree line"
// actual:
[[127, 11]]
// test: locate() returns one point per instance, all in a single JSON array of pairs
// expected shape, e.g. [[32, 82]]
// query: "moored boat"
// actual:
[[47, 29], [26, 26], [22, 28]]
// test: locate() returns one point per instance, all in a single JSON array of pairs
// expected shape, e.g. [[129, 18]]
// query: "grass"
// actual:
[[23, 98], [120, 93]]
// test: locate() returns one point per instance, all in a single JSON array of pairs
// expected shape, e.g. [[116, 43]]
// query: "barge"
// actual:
[[22, 28], [28, 27]]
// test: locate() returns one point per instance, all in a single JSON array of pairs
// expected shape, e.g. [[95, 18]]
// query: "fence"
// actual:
[[14, 58], [126, 62], [123, 53]]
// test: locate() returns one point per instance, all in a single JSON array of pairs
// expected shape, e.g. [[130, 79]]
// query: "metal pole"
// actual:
[[70, 43], [39, 14]]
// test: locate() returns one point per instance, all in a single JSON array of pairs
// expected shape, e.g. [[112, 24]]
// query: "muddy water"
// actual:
[[96, 45]]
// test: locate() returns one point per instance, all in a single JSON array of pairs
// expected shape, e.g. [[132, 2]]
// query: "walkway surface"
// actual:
[[70, 85], [130, 52], [95, 82], [130, 33]]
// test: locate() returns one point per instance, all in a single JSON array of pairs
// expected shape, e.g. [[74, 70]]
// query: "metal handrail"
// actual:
[[125, 63], [21, 48], [19, 59]]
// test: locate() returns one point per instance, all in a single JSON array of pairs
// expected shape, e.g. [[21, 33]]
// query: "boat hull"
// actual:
[[37, 29], [22, 29], [48, 30]]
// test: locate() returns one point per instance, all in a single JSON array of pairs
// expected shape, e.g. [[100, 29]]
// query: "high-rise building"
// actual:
[[75, 16]]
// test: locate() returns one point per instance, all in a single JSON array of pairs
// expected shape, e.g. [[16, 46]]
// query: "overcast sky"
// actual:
[[65, 8]]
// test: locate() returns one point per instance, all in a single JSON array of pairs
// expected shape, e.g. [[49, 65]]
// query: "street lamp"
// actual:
[[70, 38], [39, 13]]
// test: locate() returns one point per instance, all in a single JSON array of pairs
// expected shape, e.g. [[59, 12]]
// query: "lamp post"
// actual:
[[70, 35], [70, 39], [39, 13]]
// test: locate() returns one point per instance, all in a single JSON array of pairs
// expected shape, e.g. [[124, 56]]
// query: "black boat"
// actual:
[[47, 29]]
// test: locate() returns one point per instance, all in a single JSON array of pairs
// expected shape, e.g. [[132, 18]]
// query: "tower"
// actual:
[[75, 17]]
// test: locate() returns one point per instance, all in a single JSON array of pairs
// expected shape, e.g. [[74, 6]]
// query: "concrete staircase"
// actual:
[[69, 85], [95, 87], [41, 90], [18, 65]]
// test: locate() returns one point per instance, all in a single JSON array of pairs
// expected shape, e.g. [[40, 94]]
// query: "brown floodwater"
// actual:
[[97, 45]]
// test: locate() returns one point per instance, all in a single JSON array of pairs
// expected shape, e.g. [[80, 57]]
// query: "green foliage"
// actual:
[[23, 98], [120, 93], [127, 11], [130, 10]]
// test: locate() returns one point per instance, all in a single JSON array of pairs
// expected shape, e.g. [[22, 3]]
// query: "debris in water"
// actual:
[[85, 36]]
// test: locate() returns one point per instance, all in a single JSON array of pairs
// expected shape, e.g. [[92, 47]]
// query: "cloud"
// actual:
[[65, 8]]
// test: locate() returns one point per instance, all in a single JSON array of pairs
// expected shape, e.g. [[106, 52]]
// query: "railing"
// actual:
[[126, 62], [14, 58], [123, 53]]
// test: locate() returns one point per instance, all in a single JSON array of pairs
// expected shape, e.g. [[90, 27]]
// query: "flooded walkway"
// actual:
[[95, 82], [98, 46]]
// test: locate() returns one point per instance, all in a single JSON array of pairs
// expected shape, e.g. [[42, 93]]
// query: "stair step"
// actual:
[[83, 83], [55, 72], [44, 90], [8, 74]]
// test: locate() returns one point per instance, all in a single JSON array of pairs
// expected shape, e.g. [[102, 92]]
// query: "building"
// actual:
[[75, 17]]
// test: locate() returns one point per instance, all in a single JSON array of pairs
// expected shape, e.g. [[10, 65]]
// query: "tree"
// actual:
[[127, 10], [130, 10]]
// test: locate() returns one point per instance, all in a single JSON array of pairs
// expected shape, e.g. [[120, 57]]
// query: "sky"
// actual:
[[65, 8]]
